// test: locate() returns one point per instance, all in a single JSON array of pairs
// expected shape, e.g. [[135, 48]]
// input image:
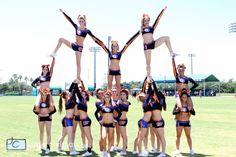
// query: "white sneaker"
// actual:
[[112, 148], [146, 151], [192, 152], [135, 152], [84, 146], [177, 152], [116, 148], [73, 152], [172, 54], [108, 154], [53, 54], [103, 154], [142, 154], [87, 154], [47, 151], [123, 152], [162, 155], [154, 150]]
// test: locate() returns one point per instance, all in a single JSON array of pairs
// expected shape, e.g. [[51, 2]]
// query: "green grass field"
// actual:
[[213, 128]]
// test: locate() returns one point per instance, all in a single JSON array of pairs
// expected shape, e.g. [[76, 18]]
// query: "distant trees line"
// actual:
[[224, 86], [21, 85], [17, 85]]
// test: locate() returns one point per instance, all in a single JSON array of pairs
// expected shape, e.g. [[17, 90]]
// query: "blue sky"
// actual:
[[30, 30]]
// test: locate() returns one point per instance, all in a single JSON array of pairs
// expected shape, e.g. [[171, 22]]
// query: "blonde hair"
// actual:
[[114, 42], [82, 17], [145, 16], [181, 66]]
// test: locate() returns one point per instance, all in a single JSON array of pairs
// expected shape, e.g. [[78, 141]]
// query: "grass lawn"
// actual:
[[213, 128]]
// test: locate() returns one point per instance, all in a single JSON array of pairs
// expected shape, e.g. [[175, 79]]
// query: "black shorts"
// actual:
[[108, 125], [76, 47], [76, 118], [43, 119], [114, 72], [158, 124], [123, 122], [149, 46], [183, 123], [86, 122]]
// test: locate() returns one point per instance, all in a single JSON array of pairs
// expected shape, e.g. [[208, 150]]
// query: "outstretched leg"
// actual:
[[166, 40], [60, 41]]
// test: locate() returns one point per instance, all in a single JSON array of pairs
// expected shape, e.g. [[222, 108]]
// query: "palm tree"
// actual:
[[26, 79], [20, 77]]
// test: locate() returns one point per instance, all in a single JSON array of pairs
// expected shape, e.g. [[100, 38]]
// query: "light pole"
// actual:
[[94, 50], [108, 44], [191, 55], [232, 28]]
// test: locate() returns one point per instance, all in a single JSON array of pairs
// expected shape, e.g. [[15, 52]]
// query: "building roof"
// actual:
[[196, 77]]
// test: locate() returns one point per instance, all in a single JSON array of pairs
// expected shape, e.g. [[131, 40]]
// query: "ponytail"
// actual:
[[60, 105]]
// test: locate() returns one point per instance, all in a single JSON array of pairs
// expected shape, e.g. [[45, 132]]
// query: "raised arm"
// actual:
[[194, 84], [158, 18], [68, 18], [35, 83], [130, 41], [52, 66], [98, 41], [144, 85], [78, 93], [174, 67], [82, 85]]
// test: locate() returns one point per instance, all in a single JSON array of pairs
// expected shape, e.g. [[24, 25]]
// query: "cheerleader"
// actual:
[[183, 123], [148, 41], [81, 32], [123, 105], [107, 121], [67, 121], [44, 110], [43, 81]]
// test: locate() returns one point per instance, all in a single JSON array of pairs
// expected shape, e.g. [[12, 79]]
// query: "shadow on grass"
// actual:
[[65, 153], [195, 155], [130, 154]]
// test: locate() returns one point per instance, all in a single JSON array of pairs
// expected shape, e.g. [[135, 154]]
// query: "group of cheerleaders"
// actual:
[[112, 104]]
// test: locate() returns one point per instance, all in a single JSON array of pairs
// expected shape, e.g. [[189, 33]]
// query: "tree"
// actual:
[[26, 79]]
